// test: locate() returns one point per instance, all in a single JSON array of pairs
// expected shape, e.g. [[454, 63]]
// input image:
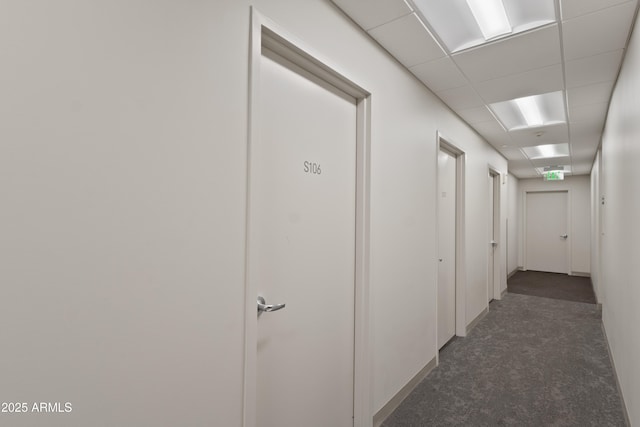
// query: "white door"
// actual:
[[492, 241], [546, 231], [446, 247], [302, 248]]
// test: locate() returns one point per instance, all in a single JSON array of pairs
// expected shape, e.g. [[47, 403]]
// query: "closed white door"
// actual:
[[492, 241], [546, 231], [302, 248], [446, 247]]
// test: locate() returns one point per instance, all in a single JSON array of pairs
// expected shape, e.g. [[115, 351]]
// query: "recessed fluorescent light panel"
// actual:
[[491, 17], [547, 151], [462, 24], [531, 111]]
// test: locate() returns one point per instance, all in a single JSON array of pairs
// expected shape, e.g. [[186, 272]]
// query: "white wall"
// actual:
[[620, 239], [513, 223], [123, 186], [579, 222]]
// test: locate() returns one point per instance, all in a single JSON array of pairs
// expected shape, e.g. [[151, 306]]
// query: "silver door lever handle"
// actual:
[[262, 306], [564, 236]]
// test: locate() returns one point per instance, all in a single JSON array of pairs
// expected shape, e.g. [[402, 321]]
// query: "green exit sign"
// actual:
[[553, 176]]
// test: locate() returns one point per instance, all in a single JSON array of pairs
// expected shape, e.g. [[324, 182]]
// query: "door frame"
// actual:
[[497, 234], [445, 144], [569, 230], [264, 33]]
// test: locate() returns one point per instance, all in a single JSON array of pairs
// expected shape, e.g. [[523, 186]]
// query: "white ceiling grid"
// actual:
[[579, 54]]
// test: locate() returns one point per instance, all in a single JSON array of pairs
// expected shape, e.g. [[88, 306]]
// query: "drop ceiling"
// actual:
[[579, 55]]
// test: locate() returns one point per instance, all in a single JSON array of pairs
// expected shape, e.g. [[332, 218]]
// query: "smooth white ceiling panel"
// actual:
[[582, 169], [543, 80], [408, 40], [556, 161], [476, 115], [582, 160], [523, 172], [585, 129], [522, 163], [524, 52], [588, 112], [598, 32], [492, 129], [497, 138], [460, 98], [593, 69], [514, 154], [573, 8], [584, 148], [440, 74], [590, 94], [372, 13], [547, 135]]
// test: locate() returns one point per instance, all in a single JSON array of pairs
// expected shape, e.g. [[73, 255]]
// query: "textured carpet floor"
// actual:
[[530, 362], [552, 285]]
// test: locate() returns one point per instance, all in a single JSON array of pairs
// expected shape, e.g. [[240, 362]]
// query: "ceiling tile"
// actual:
[[520, 164], [460, 98], [546, 135], [476, 115], [490, 128], [581, 168], [593, 69], [585, 129], [372, 13], [494, 133], [439, 74], [590, 94], [598, 32], [543, 80], [408, 40], [522, 169], [523, 173], [583, 157], [581, 164], [524, 52], [584, 148], [588, 112], [573, 8], [514, 154], [551, 162]]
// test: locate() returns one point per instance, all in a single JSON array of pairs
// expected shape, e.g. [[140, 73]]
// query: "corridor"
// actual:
[[532, 361], [275, 213]]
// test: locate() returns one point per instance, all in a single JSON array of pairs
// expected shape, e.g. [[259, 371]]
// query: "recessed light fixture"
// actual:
[[462, 24], [491, 17], [547, 151], [531, 111]]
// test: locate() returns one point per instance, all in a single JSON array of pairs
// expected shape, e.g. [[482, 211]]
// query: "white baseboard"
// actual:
[[478, 318], [625, 411], [396, 400], [514, 272], [580, 274]]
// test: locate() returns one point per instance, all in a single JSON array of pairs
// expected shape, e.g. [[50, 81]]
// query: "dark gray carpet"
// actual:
[[552, 285], [530, 362]]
